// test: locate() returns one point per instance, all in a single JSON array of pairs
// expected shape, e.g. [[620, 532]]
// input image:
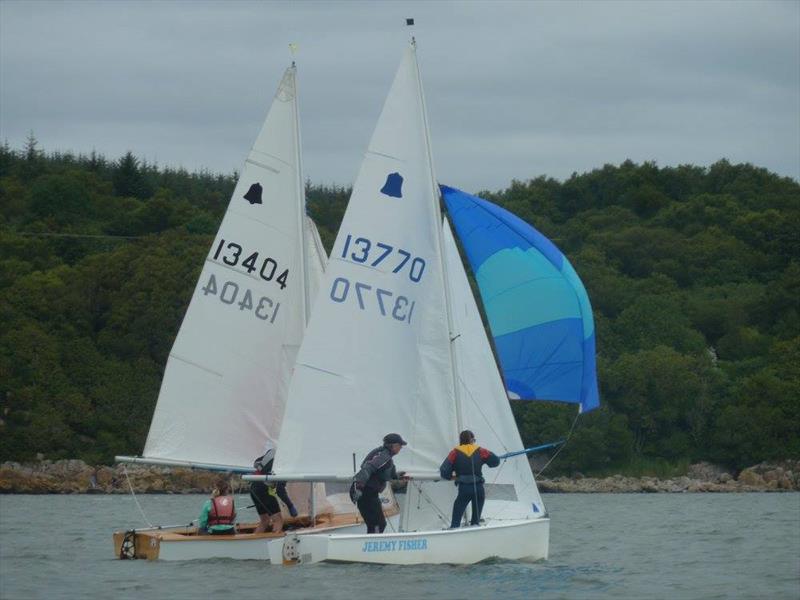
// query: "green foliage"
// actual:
[[693, 273]]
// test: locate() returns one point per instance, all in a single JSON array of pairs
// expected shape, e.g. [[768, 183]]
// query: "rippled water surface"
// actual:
[[601, 546]]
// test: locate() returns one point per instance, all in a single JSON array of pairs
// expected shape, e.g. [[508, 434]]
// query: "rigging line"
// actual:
[[561, 447], [487, 420], [476, 513], [436, 508], [133, 494], [397, 504]]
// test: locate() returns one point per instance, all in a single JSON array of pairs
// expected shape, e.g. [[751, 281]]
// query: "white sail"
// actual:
[[485, 409], [375, 358], [225, 384], [316, 258]]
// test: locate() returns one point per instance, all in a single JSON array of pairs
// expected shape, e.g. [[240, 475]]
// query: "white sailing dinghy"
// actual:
[[396, 343], [226, 380]]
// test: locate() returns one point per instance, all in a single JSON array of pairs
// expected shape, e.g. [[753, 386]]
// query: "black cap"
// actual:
[[393, 438]]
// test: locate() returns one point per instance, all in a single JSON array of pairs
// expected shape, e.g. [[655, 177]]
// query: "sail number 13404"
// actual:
[[230, 253], [231, 294]]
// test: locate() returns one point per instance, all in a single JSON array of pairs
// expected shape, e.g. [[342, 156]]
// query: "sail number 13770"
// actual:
[[364, 251]]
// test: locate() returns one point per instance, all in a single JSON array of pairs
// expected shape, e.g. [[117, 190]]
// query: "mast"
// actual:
[[440, 242], [301, 206]]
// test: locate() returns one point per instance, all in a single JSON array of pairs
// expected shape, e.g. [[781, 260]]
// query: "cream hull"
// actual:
[[183, 543]]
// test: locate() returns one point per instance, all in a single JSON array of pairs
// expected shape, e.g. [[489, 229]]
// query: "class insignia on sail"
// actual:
[[393, 186], [253, 195]]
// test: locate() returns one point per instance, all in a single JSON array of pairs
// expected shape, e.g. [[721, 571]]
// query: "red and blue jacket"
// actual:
[[466, 461]]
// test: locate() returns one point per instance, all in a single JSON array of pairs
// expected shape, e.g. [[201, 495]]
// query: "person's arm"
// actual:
[[202, 521], [446, 468], [489, 458], [280, 489]]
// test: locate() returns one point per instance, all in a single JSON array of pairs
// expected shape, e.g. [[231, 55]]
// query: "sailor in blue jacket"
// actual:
[[466, 461]]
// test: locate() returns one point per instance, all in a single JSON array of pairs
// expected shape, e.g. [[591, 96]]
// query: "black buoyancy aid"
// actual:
[[380, 470], [222, 511]]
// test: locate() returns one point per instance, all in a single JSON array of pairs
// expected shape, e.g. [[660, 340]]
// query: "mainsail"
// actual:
[[538, 309], [224, 389], [376, 356]]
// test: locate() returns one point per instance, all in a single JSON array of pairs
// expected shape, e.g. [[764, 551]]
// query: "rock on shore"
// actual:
[[76, 477], [701, 477]]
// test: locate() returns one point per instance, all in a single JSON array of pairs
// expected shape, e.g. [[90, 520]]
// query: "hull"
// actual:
[[183, 543], [526, 539]]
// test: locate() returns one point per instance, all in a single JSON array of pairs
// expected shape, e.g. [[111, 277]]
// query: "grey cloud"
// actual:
[[514, 89]]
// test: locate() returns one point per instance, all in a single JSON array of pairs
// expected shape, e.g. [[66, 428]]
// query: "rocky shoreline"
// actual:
[[783, 476], [76, 477]]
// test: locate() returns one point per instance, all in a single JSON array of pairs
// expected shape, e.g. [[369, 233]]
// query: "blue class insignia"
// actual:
[[393, 186], [396, 545]]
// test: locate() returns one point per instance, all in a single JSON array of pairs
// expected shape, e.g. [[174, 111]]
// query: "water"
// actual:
[[601, 546]]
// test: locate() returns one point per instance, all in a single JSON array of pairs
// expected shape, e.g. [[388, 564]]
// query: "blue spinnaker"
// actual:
[[538, 310]]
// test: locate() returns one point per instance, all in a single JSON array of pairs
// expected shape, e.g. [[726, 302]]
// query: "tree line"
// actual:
[[693, 273]]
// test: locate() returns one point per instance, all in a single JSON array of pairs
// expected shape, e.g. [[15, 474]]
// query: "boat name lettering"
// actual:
[[399, 307], [363, 251], [230, 253], [396, 545], [264, 308]]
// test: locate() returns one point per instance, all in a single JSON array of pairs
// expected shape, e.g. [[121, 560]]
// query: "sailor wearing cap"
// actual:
[[376, 470]]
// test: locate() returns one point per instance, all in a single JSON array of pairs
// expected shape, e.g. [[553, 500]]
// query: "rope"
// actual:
[[487, 421], [475, 511], [133, 494], [561, 447], [427, 498]]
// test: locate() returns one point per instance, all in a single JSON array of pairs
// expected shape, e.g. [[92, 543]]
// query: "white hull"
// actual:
[[526, 539], [199, 549]]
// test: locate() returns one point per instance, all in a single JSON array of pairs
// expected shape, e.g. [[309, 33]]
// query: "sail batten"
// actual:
[[537, 307]]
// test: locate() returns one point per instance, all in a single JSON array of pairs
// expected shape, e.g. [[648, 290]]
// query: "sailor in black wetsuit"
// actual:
[[466, 461], [376, 470], [264, 494]]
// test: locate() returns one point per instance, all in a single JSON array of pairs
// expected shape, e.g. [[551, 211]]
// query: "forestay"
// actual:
[[538, 309], [376, 356], [226, 379]]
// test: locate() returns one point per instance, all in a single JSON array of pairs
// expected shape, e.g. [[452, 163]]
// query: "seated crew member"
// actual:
[[218, 513], [466, 460], [377, 468]]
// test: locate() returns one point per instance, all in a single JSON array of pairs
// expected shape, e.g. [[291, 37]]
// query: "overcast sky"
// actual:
[[514, 89]]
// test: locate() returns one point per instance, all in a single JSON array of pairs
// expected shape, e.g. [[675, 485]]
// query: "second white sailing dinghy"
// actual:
[[225, 384], [396, 343]]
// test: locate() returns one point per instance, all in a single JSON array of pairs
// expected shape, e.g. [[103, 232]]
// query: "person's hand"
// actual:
[[403, 476], [355, 492]]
